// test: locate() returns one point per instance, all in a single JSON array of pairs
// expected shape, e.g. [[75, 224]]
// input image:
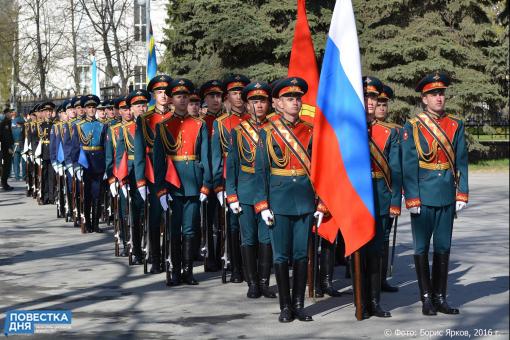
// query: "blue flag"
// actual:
[[60, 153], [82, 159]]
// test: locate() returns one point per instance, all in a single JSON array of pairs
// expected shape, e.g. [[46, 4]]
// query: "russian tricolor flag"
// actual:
[[341, 157]]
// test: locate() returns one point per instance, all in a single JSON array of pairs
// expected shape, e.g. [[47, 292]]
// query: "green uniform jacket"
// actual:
[[189, 136], [426, 179], [387, 139], [241, 182], [284, 194]]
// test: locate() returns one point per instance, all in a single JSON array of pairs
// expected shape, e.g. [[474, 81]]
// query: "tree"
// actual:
[[209, 39], [401, 41]]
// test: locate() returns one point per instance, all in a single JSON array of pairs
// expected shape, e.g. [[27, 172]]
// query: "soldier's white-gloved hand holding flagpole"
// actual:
[[267, 216], [235, 207]]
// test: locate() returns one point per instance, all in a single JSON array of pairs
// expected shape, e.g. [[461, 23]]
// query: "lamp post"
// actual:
[[148, 26]]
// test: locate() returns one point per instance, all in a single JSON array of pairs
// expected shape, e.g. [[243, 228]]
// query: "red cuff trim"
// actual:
[[395, 211], [141, 183], [218, 189], [111, 180], [232, 198], [322, 208], [205, 190], [261, 206], [161, 193], [462, 197], [413, 202]]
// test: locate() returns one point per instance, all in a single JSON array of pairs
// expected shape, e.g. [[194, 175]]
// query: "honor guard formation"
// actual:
[[221, 174]]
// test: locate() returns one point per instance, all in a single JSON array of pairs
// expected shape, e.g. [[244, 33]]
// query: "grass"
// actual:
[[486, 138], [490, 165]]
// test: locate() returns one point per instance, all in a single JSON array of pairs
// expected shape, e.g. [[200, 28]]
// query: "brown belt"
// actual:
[[434, 166]]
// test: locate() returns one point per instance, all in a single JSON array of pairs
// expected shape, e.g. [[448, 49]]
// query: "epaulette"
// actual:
[[310, 125], [114, 126], [386, 124], [147, 114], [413, 120], [223, 116], [454, 116]]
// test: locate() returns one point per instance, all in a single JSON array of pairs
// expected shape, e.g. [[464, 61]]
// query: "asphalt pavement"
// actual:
[[46, 264]]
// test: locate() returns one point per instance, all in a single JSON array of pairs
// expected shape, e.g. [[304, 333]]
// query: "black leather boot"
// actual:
[[298, 290], [363, 285], [249, 255], [155, 249], [327, 266], [188, 252], [440, 283], [421, 263], [385, 286], [235, 261], [176, 256], [264, 270], [281, 271], [88, 222], [95, 217], [374, 271]]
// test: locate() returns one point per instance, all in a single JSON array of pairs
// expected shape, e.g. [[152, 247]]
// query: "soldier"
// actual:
[[221, 142], [136, 101], [144, 142], [108, 109], [101, 113], [89, 140], [435, 170], [55, 145], [181, 142], [47, 177], [194, 104], [386, 183], [138, 107], [241, 185], [31, 141], [70, 158], [18, 135], [286, 198], [6, 149], [211, 93], [112, 136], [381, 115]]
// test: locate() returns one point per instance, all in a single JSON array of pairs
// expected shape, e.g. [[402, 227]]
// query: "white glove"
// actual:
[[125, 189], [105, 176], [459, 205], [163, 201], [203, 197], [267, 216], [143, 192], [415, 210], [113, 189], [70, 169], [60, 170], [79, 174], [55, 166], [38, 161], [235, 207], [319, 215], [221, 196]]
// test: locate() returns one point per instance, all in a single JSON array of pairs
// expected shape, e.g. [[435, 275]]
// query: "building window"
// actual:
[[140, 77], [140, 23], [85, 77]]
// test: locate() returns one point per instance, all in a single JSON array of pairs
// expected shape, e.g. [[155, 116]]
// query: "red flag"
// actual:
[[149, 170], [303, 63], [123, 170], [172, 176]]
